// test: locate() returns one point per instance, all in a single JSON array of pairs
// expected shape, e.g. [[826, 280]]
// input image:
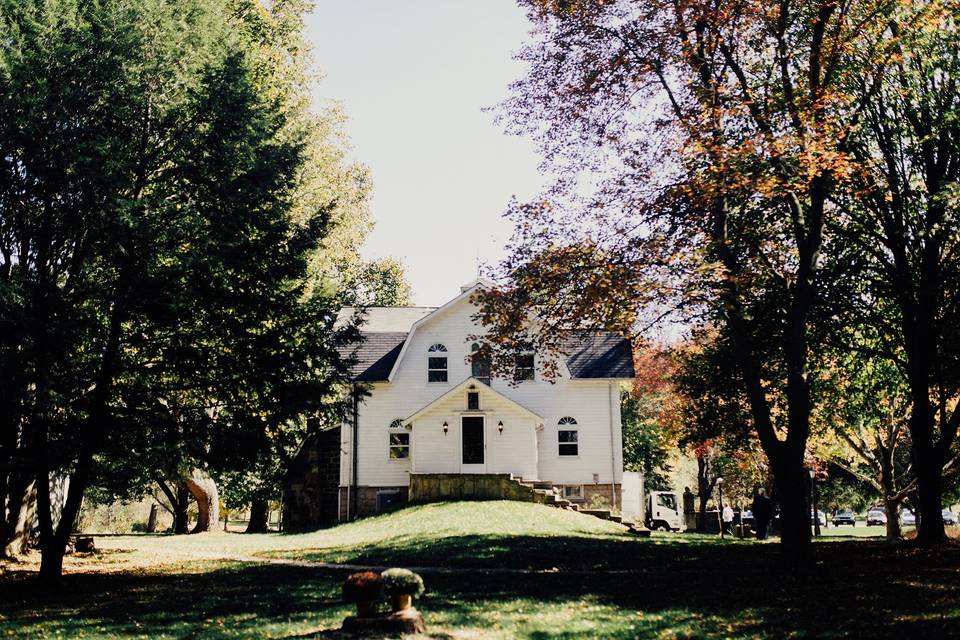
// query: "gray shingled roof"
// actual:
[[376, 354], [385, 319], [599, 354], [592, 355]]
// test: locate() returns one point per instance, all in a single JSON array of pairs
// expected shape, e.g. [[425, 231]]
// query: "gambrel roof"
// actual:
[[589, 354]]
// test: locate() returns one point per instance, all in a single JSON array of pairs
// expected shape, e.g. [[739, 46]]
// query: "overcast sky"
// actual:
[[414, 77]]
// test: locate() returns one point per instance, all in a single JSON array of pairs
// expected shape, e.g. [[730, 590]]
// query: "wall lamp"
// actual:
[[446, 427], [500, 427]]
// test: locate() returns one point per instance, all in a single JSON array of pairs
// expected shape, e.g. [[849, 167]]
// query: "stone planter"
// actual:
[[367, 609], [401, 601]]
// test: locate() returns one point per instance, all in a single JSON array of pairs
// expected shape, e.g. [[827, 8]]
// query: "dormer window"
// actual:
[[437, 363]]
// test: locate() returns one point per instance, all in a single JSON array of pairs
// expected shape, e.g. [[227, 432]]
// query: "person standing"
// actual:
[[728, 518], [762, 511]]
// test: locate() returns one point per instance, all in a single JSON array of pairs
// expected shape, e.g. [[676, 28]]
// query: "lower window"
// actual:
[[573, 491], [399, 446], [568, 442]]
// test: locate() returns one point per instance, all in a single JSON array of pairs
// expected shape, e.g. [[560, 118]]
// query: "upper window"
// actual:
[[568, 437], [473, 401], [399, 441], [480, 362], [436, 363], [523, 367]]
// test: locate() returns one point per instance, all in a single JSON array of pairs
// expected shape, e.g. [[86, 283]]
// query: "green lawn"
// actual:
[[588, 579]]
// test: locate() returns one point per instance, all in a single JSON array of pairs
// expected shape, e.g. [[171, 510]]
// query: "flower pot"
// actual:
[[367, 609], [401, 601]]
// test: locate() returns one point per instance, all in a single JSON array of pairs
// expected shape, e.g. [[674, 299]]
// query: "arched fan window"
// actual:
[[568, 441], [399, 441], [437, 363]]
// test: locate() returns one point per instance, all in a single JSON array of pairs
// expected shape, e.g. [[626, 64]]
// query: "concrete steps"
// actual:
[[544, 492]]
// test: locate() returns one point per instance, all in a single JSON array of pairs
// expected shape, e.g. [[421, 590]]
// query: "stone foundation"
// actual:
[[602, 490], [367, 500]]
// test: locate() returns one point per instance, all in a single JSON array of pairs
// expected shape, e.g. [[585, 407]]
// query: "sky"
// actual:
[[414, 78]]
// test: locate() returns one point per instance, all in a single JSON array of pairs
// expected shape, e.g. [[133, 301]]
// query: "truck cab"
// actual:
[[664, 511]]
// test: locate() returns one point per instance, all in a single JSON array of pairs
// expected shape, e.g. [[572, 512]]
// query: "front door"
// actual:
[[472, 445]]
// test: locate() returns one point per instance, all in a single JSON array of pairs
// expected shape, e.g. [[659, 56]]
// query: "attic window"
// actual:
[[473, 401], [524, 367], [480, 362], [436, 363]]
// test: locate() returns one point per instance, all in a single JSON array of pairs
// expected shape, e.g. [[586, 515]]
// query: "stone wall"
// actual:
[[311, 488], [432, 487]]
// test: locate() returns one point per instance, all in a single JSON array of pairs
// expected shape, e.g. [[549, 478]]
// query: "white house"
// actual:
[[429, 408]]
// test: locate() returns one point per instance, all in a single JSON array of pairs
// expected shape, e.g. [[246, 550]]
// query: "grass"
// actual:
[[677, 586]]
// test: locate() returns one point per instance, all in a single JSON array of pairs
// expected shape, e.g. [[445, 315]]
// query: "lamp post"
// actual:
[[720, 502]]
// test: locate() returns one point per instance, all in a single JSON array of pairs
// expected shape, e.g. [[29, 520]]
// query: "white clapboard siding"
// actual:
[[593, 403]]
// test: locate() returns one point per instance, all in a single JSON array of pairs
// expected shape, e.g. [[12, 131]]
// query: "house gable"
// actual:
[[485, 391], [465, 292]]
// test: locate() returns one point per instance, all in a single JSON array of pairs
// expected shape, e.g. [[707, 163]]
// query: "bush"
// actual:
[[402, 582], [599, 502], [365, 586]]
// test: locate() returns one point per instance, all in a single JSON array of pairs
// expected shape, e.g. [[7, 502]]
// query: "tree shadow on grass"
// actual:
[[225, 601], [850, 589], [853, 588]]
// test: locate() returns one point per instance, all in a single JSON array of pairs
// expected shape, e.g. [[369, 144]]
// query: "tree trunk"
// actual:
[[204, 491], [791, 484], [892, 508], [23, 504], [152, 519], [930, 529], [704, 490], [180, 507], [259, 517]]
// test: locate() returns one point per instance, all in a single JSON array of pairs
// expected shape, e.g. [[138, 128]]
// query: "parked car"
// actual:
[[876, 516], [844, 516], [821, 518], [949, 517], [907, 518]]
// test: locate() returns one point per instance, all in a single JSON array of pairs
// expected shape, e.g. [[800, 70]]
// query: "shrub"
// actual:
[[599, 502], [402, 582], [364, 586]]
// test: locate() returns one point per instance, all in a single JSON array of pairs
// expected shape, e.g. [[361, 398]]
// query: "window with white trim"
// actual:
[[573, 491], [568, 441], [437, 363], [480, 364], [399, 441], [524, 368]]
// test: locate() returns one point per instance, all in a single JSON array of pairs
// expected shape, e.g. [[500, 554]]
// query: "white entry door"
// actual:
[[473, 446]]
